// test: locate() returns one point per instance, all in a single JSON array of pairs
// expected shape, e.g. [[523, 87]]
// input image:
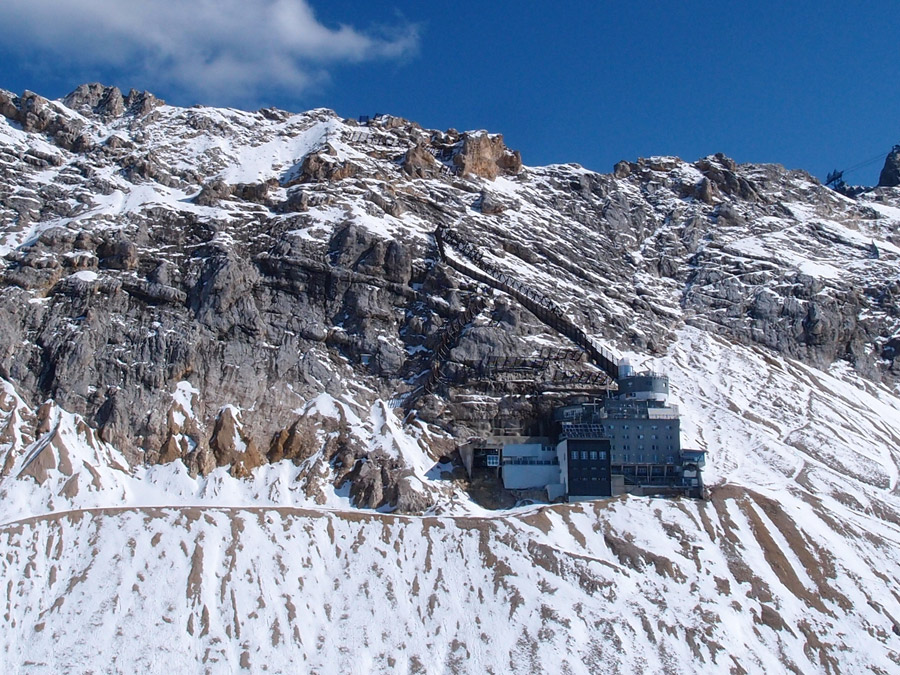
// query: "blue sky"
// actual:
[[808, 85]]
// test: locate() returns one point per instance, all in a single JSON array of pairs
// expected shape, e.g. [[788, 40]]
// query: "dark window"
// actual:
[[590, 475]]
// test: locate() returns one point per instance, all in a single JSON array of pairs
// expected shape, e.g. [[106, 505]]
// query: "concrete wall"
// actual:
[[524, 476], [467, 454], [555, 491]]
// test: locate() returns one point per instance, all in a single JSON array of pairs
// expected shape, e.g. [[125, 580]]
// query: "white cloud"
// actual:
[[221, 50]]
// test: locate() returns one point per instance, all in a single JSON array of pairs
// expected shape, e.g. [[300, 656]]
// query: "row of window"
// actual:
[[645, 470], [641, 458], [653, 447], [653, 437], [587, 454]]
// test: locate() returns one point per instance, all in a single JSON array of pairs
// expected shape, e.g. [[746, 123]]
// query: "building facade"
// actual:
[[627, 442], [644, 434]]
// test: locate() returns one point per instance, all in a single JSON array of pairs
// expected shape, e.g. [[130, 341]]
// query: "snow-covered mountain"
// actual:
[[214, 323]]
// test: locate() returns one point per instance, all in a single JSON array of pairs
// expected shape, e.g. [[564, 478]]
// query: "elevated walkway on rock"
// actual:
[[448, 340], [504, 372], [545, 309]]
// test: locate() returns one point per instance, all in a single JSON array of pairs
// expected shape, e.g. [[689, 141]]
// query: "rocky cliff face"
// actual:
[[205, 308], [264, 258]]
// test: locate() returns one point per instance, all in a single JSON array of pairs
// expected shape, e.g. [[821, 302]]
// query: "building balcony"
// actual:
[[697, 457]]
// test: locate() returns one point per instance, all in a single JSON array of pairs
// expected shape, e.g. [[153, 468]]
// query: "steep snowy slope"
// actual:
[[208, 318]]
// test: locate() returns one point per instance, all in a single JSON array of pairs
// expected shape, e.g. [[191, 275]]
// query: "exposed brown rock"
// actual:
[[622, 169], [720, 170], [142, 103], [118, 254], [420, 163], [254, 192], [53, 452], [230, 447], [487, 156], [97, 99], [170, 451], [7, 106], [296, 443], [490, 205]]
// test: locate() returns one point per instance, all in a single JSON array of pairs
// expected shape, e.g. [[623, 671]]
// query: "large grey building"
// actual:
[[644, 435], [628, 441]]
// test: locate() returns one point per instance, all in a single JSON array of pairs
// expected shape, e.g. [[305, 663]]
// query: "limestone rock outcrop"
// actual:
[[487, 156]]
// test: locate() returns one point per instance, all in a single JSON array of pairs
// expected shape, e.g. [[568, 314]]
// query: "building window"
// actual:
[[584, 454], [602, 454], [593, 454], [493, 460]]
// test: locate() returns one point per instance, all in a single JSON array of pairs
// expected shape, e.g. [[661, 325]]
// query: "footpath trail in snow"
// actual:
[[669, 586]]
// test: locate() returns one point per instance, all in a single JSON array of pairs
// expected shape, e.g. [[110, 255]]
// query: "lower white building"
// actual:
[[530, 465]]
